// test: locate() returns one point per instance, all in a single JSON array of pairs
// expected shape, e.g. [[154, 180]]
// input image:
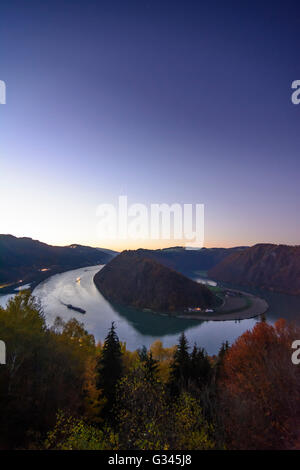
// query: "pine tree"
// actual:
[[151, 366], [109, 371], [149, 363], [143, 354], [223, 349], [220, 358], [200, 367], [263, 318], [180, 367]]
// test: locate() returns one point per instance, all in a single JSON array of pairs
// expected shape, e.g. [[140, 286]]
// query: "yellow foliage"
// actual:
[[164, 356]]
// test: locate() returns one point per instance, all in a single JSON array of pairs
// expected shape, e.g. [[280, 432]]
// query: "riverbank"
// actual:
[[256, 307], [237, 305], [229, 311], [138, 328]]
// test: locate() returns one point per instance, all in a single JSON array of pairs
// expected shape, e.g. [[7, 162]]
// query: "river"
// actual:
[[143, 328]]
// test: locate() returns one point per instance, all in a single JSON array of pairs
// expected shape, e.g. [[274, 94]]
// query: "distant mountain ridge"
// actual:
[[189, 261], [23, 258], [265, 265], [134, 280]]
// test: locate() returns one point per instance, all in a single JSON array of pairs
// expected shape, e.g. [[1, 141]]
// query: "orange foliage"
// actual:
[[259, 388]]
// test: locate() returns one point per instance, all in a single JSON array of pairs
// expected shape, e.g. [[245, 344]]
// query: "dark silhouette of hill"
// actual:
[[266, 266], [189, 261], [23, 258], [134, 280]]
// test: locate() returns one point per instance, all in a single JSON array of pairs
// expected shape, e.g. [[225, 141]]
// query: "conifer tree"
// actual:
[[149, 363], [180, 367], [109, 370], [200, 367], [143, 353], [220, 358], [223, 349], [151, 366]]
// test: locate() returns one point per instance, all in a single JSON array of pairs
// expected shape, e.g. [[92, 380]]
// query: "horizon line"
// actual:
[[225, 246]]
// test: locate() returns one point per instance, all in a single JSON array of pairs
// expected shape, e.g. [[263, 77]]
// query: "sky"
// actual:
[[162, 101]]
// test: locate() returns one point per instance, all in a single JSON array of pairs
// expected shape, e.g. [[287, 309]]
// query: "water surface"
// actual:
[[138, 328]]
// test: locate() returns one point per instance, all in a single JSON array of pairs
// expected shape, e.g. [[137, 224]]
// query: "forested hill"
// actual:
[[24, 258], [131, 279], [189, 261], [267, 266]]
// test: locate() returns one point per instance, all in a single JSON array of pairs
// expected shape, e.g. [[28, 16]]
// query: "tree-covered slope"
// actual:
[[267, 266], [132, 279], [22, 258]]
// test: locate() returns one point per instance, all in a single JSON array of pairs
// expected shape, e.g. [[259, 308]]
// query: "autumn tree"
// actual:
[[259, 388], [142, 411], [44, 370], [190, 428], [70, 433], [148, 420], [164, 356]]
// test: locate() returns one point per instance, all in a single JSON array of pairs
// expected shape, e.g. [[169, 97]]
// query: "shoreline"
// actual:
[[40, 278], [258, 306], [236, 305], [226, 312]]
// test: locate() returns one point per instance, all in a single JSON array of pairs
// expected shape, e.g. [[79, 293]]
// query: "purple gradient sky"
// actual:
[[164, 101]]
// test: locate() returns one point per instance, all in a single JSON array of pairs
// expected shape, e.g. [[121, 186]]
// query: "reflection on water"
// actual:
[[24, 287], [154, 324], [280, 305], [138, 328], [5, 298]]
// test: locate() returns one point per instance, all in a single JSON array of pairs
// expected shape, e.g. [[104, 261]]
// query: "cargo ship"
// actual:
[[77, 309]]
